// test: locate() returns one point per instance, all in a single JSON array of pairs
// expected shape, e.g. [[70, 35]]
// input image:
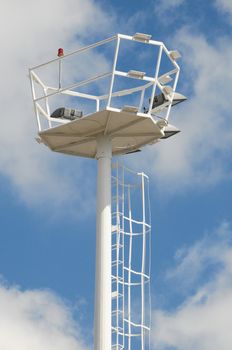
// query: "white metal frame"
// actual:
[[72, 90], [123, 324]]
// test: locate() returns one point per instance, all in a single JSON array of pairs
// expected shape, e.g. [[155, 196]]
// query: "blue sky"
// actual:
[[47, 207]]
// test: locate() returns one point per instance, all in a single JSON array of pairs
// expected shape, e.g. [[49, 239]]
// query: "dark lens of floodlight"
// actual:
[[135, 151], [158, 100], [178, 98], [67, 113], [168, 134]]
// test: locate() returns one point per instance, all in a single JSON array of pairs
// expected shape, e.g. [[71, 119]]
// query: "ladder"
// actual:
[[131, 236]]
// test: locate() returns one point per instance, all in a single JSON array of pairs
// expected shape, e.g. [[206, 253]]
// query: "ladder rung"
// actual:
[[115, 246], [116, 294], [114, 228], [114, 312], [116, 262], [116, 278], [116, 329], [117, 232], [115, 199], [117, 347]]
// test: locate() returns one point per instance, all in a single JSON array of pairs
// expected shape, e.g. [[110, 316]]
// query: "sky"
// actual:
[[47, 206]]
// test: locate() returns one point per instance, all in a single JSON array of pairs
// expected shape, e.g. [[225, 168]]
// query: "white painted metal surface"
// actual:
[[128, 132], [102, 315]]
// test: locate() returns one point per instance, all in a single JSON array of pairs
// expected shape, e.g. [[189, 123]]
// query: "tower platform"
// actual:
[[129, 131]]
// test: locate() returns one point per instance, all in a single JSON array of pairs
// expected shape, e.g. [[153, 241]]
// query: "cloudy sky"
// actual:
[[47, 206]]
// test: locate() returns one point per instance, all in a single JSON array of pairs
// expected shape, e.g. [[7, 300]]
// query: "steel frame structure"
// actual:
[[156, 81]]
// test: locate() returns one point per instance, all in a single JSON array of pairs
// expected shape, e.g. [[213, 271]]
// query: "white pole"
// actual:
[[129, 270], [102, 316], [143, 267]]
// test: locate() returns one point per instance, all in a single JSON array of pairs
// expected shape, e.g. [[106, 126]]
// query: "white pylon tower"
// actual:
[[106, 99]]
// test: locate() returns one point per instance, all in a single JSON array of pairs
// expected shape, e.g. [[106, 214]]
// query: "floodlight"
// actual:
[[165, 79], [161, 99], [158, 100], [136, 74], [174, 54], [169, 131], [130, 109], [135, 151], [67, 113], [141, 37], [178, 98], [167, 90]]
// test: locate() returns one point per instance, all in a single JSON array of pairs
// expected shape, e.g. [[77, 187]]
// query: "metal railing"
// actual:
[[146, 86]]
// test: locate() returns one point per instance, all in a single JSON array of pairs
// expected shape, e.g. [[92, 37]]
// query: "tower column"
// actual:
[[102, 314]]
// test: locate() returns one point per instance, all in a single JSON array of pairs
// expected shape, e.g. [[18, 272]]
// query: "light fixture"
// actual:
[[60, 52], [165, 79], [169, 131], [167, 90], [67, 113], [136, 74], [161, 99], [178, 98], [174, 54], [141, 37], [135, 151], [130, 109]]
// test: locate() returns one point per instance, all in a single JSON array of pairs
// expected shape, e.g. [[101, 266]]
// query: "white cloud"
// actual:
[[192, 262], [162, 6], [224, 6], [203, 320], [35, 320], [30, 33], [201, 154], [165, 10]]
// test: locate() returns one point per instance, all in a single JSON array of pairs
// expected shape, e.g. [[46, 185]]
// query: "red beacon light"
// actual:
[[60, 52]]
